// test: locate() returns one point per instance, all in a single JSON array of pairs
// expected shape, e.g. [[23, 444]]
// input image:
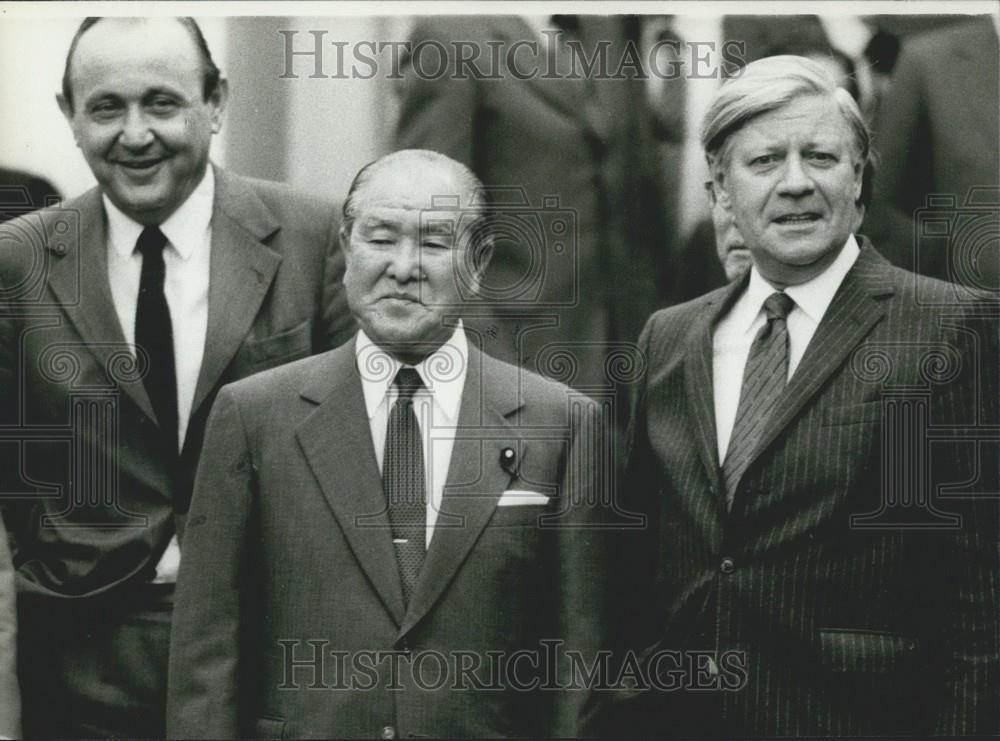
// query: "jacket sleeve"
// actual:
[[968, 621], [204, 675], [437, 111], [10, 696]]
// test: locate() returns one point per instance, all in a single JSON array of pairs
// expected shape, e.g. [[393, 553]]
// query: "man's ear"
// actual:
[[721, 191], [345, 238], [67, 111], [859, 179], [218, 101], [65, 107]]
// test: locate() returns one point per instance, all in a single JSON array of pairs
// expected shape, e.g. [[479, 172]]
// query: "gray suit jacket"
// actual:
[[289, 558], [857, 576], [90, 502]]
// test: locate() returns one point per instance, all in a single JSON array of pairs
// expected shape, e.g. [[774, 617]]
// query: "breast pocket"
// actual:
[[283, 347], [868, 412], [852, 650]]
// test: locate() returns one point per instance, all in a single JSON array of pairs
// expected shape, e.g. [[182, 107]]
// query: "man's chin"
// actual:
[[145, 205]]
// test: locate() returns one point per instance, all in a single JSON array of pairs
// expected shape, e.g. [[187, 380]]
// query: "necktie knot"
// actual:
[[408, 382], [778, 306], [151, 242]]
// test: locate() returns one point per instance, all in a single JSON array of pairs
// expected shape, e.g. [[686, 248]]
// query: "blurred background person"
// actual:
[[937, 133], [584, 141]]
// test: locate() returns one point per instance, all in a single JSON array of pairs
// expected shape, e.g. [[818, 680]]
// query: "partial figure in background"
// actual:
[[124, 311], [938, 134], [579, 266]]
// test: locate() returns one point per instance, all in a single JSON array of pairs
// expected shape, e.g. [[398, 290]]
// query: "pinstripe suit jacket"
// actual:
[[856, 575]]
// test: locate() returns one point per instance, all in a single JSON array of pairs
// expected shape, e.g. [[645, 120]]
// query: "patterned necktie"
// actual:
[[154, 334], [764, 379], [403, 481]]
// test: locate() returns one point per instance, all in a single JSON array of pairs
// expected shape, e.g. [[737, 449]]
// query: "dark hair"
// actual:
[[210, 72]]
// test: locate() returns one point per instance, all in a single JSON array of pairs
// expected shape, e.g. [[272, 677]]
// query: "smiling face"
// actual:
[[139, 116], [790, 179], [402, 265]]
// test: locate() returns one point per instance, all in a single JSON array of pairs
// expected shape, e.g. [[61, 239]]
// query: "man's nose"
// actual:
[[404, 264], [795, 178], [136, 132]]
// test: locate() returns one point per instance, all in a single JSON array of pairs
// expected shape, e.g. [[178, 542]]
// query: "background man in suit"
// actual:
[[939, 133], [340, 513], [10, 694], [124, 312], [564, 303], [805, 527]]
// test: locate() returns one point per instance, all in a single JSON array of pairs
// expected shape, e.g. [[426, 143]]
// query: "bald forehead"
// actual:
[[414, 181], [131, 39]]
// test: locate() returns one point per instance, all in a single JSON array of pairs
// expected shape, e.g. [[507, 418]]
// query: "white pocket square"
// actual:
[[515, 497]]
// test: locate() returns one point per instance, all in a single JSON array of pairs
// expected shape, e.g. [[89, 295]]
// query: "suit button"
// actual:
[[388, 732], [727, 566]]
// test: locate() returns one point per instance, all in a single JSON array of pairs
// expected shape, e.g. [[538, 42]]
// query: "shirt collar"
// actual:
[[185, 228], [814, 296], [443, 372]]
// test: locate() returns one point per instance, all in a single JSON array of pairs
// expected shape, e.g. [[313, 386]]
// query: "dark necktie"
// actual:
[[403, 481], [764, 379], [153, 333]]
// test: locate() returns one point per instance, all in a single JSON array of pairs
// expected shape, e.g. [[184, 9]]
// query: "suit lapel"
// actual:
[[79, 279], [475, 478], [699, 381], [242, 270], [849, 318], [336, 441]]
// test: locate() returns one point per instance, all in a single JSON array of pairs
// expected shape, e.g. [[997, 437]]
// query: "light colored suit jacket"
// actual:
[[93, 502], [10, 695], [857, 576], [289, 557]]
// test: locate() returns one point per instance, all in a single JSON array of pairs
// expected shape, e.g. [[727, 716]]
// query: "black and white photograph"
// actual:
[[530, 369]]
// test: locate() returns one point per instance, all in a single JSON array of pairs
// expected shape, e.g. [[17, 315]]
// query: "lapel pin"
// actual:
[[507, 459]]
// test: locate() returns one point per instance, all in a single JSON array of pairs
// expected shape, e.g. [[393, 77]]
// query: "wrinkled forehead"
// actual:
[[822, 112]]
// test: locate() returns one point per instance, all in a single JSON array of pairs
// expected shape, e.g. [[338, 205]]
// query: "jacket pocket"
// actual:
[[266, 727], [286, 345], [853, 650]]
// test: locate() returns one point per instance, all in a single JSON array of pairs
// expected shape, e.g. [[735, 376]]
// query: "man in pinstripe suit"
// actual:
[[812, 447]]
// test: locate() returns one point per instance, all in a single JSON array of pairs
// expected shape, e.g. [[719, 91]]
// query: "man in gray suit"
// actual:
[[401, 536], [124, 311], [815, 446]]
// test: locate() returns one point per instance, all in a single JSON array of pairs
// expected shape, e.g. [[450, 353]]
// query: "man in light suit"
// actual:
[[124, 311], [303, 576], [10, 694], [814, 450], [578, 146]]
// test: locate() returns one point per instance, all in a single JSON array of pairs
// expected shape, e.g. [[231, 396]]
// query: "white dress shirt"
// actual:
[[735, 332], [186, 260], [436, 406]]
